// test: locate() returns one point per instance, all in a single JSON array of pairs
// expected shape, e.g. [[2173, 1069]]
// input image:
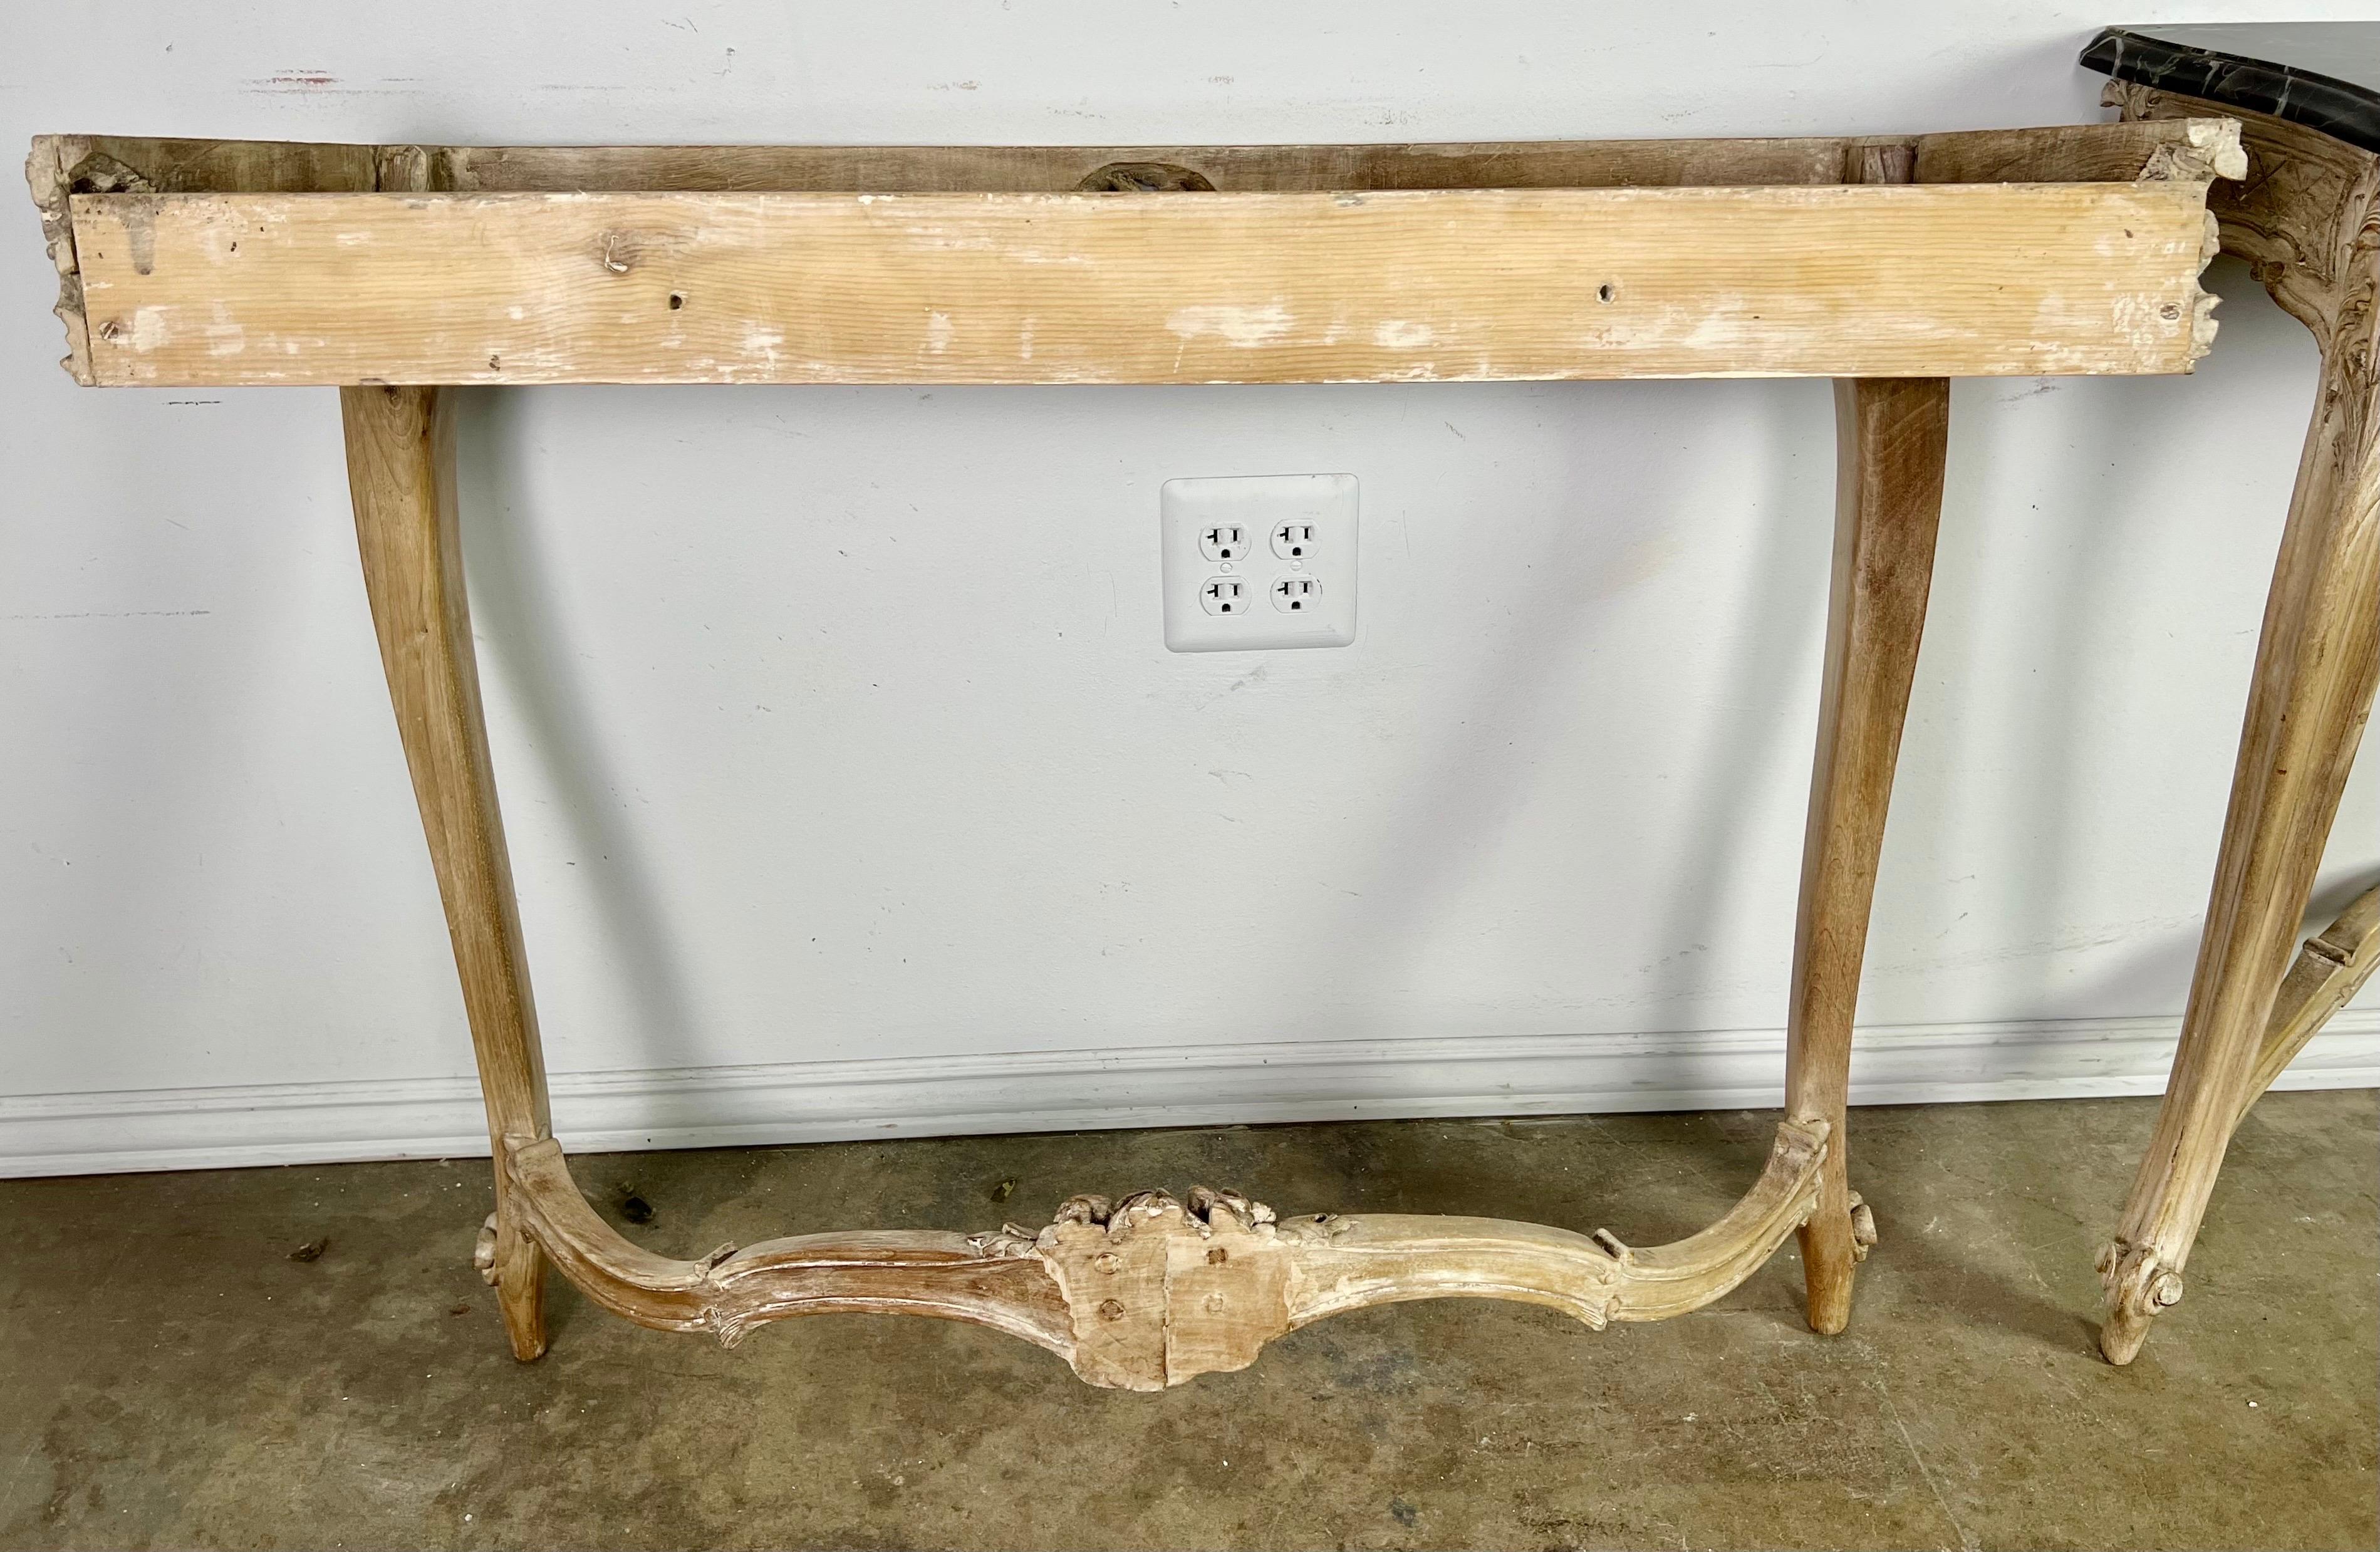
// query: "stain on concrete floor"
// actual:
[[176, 1374]]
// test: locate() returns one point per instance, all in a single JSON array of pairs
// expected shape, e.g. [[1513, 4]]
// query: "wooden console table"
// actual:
[[1889, 264], [2306, 217]]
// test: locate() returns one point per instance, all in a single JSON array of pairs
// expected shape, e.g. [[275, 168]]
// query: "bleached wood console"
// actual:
[[2306, 218], [1889, 264]]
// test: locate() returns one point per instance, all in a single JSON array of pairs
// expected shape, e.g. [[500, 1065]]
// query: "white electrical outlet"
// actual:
[[1259, 562], [1223, 595], [1223, 541]]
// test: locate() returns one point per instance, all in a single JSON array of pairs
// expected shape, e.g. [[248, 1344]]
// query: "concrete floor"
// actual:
[[172, 1376]]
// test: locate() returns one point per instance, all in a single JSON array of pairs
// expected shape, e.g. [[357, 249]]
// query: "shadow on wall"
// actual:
[[2045, 722], [2036, 874], [2073, 780], [1784, 601], [1457, 810], [1453, 811], [1459, 806], [514, 619]]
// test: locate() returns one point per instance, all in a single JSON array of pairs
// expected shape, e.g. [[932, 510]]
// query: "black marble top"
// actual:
[[2323, 75]]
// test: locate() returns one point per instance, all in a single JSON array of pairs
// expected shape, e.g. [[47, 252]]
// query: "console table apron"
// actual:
[[1889, 264]]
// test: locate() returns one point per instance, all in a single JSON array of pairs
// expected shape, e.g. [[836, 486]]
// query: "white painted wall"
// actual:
[[834, 725]]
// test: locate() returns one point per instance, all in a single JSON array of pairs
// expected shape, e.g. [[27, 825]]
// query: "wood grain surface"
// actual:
[[1954, 280]]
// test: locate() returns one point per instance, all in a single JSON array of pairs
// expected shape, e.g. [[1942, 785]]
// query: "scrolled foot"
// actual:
[[1863, 1227], [516, 1271], [2140, 1287], [483, 1253]]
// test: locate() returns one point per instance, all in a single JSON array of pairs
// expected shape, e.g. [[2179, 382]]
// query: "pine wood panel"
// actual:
[[1168, 287]]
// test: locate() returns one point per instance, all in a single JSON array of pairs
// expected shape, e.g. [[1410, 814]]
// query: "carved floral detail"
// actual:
[[1141, 1208], [1144, 177]]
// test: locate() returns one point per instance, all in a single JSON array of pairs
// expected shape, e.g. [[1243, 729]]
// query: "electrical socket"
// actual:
[[1292, 540], [1223, 541], [1213, 576], [1296, 595], [1223, 595]]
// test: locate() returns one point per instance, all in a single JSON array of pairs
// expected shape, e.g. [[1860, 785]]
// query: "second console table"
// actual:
[[2306, 217]]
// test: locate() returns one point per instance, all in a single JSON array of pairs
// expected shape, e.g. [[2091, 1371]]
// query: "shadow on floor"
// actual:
[[175, 1376]]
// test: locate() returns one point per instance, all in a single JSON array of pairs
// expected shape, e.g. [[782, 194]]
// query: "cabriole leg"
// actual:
[[2315, 666], [401, 472], [1891, 436]]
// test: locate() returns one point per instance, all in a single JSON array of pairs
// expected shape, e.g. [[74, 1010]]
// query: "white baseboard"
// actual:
[[1059, 1091]]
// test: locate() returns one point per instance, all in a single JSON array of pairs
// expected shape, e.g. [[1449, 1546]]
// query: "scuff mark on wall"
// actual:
[[110, 614]]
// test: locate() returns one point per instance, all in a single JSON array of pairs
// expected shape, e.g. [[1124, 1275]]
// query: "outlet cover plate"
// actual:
[[1259, 506]]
